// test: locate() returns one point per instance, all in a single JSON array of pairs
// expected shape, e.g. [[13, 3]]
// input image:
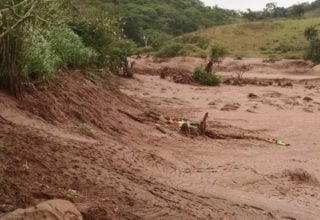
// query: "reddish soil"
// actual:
[[110, 149]]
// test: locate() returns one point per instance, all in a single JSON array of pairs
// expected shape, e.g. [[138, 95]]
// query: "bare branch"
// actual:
[[21, 20], [14, 6]]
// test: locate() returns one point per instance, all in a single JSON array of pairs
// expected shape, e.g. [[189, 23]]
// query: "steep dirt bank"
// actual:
[[99, 147]]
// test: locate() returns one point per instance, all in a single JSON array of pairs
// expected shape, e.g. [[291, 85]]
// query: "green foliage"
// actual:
[[39, 37], [172, 49], [193, 51], [311, 33], [16, 54], [40, 59], [218, 53], [313, 50], [98, 31], [196, 40], [118, 53], [205, 78], [141, 17], [69, 47], [46, 51]]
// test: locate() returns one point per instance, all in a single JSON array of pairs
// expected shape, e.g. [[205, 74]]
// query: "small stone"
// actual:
[[308, 99], [252, 96]]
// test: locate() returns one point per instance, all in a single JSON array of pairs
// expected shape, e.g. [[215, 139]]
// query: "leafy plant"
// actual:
[[170, 50], [311, 33], [313, 50], [218, 53], [17, 17], [205, 78], [69, 47]]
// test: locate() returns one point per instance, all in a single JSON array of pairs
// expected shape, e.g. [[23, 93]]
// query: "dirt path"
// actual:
[[108, 157]]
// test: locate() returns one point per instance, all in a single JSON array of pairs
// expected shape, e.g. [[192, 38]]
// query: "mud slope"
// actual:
[[99, 147]]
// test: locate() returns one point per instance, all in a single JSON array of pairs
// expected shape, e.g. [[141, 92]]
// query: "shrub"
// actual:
[[118, 53], [193, 51], [218, 53], [205, 78], [311, 33], [313, 51], [69, 47], [45, 53], [197, 40], [170, 50], [94, 36], [41, 62]]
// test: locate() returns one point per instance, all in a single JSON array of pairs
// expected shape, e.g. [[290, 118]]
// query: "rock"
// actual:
[[251, 111], [288, 84], [212, 103], [308, 99], [49, 210], [230, 107], [252, 96]]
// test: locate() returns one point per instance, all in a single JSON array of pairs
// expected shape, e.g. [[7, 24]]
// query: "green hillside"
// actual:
[[273, 38], [145, 20]]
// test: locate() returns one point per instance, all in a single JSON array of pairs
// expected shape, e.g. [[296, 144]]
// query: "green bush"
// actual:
[[170, 50], [205, 78], [59, 46], [96, 37], [41, 62], [313, 51], [197, 40], [68, 46], [118, 53], [192, 51], [218, 53]]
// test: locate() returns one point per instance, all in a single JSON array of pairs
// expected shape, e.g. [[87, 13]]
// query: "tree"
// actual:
[[218, 53], [270, 9], [250, 15], [298, 10]]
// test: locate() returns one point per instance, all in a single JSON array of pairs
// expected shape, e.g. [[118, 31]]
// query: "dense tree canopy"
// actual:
[[143, 17]]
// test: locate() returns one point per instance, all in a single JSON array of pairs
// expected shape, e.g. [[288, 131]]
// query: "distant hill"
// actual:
[[269, 38], [145, 19], [312, 10]]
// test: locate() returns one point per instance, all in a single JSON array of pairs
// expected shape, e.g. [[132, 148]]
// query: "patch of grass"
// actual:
[[93, 76], [170, 50], [193, 51], [205, 78], [2, 147], [87, 131], [261, 38]]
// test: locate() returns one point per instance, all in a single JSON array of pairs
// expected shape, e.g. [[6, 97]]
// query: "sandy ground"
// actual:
[[125, 168]]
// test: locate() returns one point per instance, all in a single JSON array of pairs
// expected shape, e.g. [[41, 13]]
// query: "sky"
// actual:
[[252, 4]]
